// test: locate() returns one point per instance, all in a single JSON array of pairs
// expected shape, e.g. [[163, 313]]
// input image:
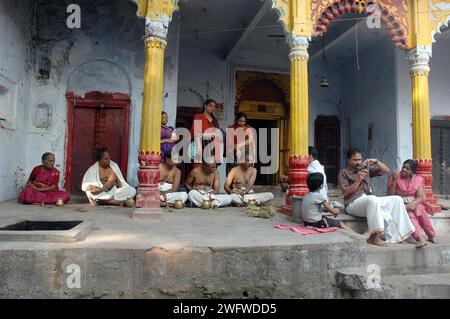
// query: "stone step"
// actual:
[[440, 222], [355, 283], [402, 259], [397, 261]]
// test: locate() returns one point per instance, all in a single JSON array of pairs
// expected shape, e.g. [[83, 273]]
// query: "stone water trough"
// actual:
[[46, 231]]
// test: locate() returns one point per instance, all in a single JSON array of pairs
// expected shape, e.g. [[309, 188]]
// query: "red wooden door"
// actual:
[[328, 144], [95, 123]]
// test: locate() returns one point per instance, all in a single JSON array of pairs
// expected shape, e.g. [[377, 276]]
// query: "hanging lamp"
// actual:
[[324, 81]]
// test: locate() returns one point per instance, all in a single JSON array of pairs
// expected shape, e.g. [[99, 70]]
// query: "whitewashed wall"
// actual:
[[14, 87], [370, 98]]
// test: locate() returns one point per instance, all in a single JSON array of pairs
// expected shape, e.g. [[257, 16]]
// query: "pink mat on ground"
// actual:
[[302, 230]]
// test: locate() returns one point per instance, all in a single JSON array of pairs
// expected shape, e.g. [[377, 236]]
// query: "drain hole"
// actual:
[[42, 225], [245, 294]]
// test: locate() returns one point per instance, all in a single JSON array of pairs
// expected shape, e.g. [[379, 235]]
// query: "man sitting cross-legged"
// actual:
[[103, 182], [203, 183], [240, 182], [169, 182]]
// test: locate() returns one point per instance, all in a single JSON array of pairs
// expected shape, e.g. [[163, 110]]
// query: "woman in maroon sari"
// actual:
[[42, 186], [202, 132], [168, 137], [409, 186]]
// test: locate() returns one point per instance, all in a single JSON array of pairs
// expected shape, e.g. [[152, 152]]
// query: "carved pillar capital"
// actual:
[[298, 47], [419, 59], [156, 30]]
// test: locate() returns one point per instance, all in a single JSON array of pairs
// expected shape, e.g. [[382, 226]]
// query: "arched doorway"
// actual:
[[264, 98]]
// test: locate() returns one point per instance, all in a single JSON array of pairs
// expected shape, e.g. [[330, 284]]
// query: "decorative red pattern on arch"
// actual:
[[394, 15]]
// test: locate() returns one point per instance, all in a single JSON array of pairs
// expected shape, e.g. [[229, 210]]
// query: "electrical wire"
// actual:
[[357, 47]]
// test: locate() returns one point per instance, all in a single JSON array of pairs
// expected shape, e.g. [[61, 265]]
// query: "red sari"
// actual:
[[199, 126], [48, 177]]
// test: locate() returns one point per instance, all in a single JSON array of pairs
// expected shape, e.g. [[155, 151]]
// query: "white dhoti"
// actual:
[[218, 200], [92, 178], [171, 197], [260, 198], [386, 214], [119, 194]]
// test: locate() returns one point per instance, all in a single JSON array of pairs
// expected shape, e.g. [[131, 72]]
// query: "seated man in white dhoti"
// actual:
[[104, 183], [239, 185], [203, 183], [385, 215], [169, 182]]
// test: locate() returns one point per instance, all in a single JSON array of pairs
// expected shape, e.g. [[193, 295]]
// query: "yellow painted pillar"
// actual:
[[298, 56], [421, 110], [418, 59], [149, 158], [152, 101], [299, 117]]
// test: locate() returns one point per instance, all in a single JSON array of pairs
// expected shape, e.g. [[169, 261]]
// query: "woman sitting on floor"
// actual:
[[104, 183], [42, 186], [409, 186]]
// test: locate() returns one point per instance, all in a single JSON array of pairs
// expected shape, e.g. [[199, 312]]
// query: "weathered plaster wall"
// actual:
[[105, 54], [325, 101], [404, 107], [370, 99], [439, 76], [15, 67]]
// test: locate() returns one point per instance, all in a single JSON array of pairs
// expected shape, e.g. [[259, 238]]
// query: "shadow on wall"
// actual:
[[99, 75]]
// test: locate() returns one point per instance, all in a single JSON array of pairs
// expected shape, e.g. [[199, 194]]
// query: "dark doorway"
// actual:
[[440, 144], [328, 144], [185, 117], [263, 179], [97, 120]]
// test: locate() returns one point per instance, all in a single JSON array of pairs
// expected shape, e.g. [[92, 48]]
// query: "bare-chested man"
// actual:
[[169, 182], [240, 182], [203, 183], [103, 182]]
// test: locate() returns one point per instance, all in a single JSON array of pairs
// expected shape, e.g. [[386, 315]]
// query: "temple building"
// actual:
[[80, 74]]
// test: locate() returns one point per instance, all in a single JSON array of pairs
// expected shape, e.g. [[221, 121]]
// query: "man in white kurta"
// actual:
[[103, 182], [169, 182], [203, 184], [240, 182], [385, 215]]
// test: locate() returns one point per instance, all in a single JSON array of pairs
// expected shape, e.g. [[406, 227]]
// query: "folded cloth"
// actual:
[[302, 230]]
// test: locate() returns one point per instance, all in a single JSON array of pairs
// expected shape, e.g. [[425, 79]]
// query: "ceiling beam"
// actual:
[[249, 30], [349, 32]]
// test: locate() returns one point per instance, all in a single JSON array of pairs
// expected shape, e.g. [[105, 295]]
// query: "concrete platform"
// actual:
[[193, 253], [190, 253]]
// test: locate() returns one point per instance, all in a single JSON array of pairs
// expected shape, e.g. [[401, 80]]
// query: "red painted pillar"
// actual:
[[148, 176], [298, 175], [424, 169]]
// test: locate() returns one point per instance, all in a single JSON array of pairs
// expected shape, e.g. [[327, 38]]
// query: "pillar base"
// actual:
[[425, 170], [148, 176], [298, 175]]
